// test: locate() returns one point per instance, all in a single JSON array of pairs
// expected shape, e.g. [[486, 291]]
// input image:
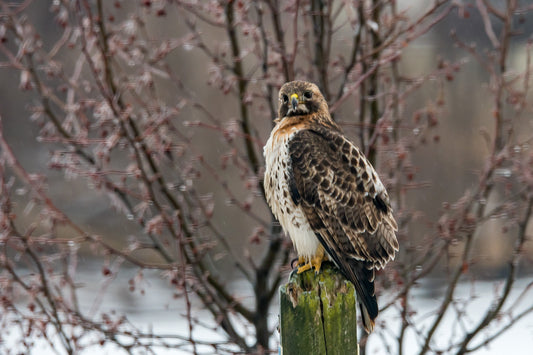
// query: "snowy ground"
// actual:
[[158, 312]]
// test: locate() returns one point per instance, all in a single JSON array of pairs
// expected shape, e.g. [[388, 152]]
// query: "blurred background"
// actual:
[[142, 123]]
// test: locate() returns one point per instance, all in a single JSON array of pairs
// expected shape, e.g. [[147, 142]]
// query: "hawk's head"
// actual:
[[300, 98]]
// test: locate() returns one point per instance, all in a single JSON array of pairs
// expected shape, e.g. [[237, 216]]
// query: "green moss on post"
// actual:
[[318, 314]]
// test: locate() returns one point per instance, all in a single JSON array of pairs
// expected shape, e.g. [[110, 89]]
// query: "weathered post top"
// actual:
[[318, 314]]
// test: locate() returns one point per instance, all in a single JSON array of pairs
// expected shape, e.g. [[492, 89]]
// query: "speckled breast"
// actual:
[[290, 216]]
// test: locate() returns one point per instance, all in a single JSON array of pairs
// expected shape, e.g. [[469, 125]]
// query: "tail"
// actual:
[[368, 321], [362, 276]]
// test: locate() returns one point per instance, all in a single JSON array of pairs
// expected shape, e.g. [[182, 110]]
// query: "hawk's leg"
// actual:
[[316, 261]]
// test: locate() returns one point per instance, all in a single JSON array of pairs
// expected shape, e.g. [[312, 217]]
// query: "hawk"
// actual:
[[326, 195]]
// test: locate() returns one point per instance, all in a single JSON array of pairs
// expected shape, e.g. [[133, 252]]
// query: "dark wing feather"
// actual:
[[330, 175], [345, 204]]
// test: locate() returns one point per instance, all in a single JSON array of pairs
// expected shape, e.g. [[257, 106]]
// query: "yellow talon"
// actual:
[[316, 261], [303, 268]]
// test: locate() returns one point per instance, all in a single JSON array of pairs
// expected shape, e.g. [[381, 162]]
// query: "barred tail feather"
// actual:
[[361, 275], [368, 322], [363, 279]]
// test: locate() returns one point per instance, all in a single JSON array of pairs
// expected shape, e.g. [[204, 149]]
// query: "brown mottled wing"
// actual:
[[345, 204]]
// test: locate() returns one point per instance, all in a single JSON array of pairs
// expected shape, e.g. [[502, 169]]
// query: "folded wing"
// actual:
[[347, 206]]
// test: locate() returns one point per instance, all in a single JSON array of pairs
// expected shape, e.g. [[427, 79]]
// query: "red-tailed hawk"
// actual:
[[326, 194]]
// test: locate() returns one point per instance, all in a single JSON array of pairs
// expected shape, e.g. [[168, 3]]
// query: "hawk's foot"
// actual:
[[316, 261], [304, 266]]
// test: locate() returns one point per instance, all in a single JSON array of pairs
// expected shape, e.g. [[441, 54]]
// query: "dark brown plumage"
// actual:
[[326, 194]]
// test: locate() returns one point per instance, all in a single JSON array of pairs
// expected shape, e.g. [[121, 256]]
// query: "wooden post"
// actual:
[[318, 314]]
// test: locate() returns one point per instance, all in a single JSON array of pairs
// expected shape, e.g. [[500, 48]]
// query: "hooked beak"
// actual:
[[294, 101]]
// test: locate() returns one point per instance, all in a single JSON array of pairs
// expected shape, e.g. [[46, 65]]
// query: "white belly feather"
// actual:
[[290, 216]]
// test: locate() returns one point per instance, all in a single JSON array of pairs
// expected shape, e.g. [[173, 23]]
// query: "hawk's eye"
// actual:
[[285, 99], [308, 95]]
